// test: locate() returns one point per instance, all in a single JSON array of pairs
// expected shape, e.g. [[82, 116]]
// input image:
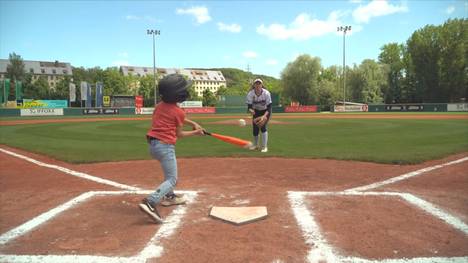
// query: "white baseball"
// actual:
[[242, 122]]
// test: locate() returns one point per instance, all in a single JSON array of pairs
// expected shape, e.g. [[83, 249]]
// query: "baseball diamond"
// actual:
[[319, 210]]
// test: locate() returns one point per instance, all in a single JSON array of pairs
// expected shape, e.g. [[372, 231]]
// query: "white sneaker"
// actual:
[[264, 150], [175, 199], [253, 147]]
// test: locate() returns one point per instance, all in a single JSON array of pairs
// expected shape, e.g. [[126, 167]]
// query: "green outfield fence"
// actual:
[[413, 107]]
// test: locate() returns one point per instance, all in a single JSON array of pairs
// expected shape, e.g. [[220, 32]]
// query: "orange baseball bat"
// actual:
[[230, 139]]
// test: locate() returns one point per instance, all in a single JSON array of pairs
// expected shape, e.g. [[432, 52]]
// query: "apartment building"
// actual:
[[52, 71], [211, 80]]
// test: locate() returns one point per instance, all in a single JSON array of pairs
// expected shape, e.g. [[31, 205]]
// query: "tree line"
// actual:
[[430, 67]]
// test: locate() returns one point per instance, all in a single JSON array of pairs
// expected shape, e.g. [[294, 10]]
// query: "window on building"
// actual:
[[65, 71], [31, 70], [54, 71], [42, 71]]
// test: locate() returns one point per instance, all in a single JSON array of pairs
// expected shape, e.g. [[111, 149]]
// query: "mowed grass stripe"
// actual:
[[375, 140]]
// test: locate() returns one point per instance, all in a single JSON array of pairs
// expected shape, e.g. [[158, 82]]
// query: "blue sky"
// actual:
[[266, 35]]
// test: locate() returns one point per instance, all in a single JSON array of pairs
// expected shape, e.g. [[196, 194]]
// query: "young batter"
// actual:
[[167, 122]]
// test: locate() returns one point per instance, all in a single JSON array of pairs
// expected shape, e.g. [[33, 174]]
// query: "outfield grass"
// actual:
[[375, 140]]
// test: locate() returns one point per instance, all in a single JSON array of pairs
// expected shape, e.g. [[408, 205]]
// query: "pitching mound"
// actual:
[[248, 122]]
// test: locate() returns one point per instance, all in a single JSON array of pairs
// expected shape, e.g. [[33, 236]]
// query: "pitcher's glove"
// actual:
[[260, 121]]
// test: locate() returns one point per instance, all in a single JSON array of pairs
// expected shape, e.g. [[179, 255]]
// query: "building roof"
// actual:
[[40, 67], [192, 74]]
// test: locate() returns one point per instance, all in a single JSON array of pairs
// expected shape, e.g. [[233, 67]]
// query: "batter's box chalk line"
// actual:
[[152, 249], [321, 251]]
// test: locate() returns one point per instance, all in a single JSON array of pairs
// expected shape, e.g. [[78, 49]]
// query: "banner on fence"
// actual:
[[41, 112], [106, 101], [99, 93], [200, 110], [28, 103], [72, 92], [100, 111], [18, 90], [310, 108], [84, 90], [144, 111], [351, 108], [457, 107], [191, 104], [89, 98]]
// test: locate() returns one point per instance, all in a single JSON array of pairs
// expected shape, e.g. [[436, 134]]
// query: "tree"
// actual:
[[62, 90], [300, 78], [146, 88], [453, 43], [193, 95], [366, 81], [114, 82], [38, 90], [392, 55], [15, 69], [424, 51], [209, 98]]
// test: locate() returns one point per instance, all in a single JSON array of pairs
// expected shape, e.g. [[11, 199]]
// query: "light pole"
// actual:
[[154, 33], [344, 29]]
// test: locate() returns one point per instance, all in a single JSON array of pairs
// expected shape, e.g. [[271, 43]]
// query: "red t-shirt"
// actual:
[[166, 118]]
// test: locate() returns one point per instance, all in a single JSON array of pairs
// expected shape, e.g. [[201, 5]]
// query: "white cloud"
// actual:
[[302, 28], [450, 10], [376, 8], [272, 62], [355, 1], [250, 54], [234, 28], [199, 12]]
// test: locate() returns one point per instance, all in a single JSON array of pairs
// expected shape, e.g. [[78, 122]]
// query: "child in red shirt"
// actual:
[[167, 123]]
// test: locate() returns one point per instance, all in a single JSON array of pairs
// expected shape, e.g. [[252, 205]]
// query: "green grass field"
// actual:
[[375, 140]]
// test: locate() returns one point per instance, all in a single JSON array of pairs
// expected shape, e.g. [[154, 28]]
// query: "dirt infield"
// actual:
[[232, 119], [318, 210]]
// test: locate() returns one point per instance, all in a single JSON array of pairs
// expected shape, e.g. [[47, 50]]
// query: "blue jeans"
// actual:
[[165, 154]]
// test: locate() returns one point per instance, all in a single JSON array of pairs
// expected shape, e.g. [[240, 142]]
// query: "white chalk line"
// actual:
[[171, 223], [321, 250], [151, 250], [71, 172], [405, 176], [407, 260]]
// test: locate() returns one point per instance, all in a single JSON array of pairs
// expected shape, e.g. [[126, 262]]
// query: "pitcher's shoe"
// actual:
[[264, 149], [147, 208], [173, 199], [253, 147]]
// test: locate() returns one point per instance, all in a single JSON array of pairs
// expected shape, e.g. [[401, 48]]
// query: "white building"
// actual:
[[202, 79], [52, 71]]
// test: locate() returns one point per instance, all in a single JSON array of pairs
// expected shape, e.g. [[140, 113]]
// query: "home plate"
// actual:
[[239, 215]]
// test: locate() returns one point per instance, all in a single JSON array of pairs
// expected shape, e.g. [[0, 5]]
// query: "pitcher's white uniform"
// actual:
[[259, 103]]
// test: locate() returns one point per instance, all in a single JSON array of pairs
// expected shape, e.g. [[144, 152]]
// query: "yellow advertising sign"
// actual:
[[106, 101]]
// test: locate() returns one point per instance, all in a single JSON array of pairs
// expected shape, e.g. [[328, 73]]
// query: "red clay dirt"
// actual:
[[113, 226], [376, 227]]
